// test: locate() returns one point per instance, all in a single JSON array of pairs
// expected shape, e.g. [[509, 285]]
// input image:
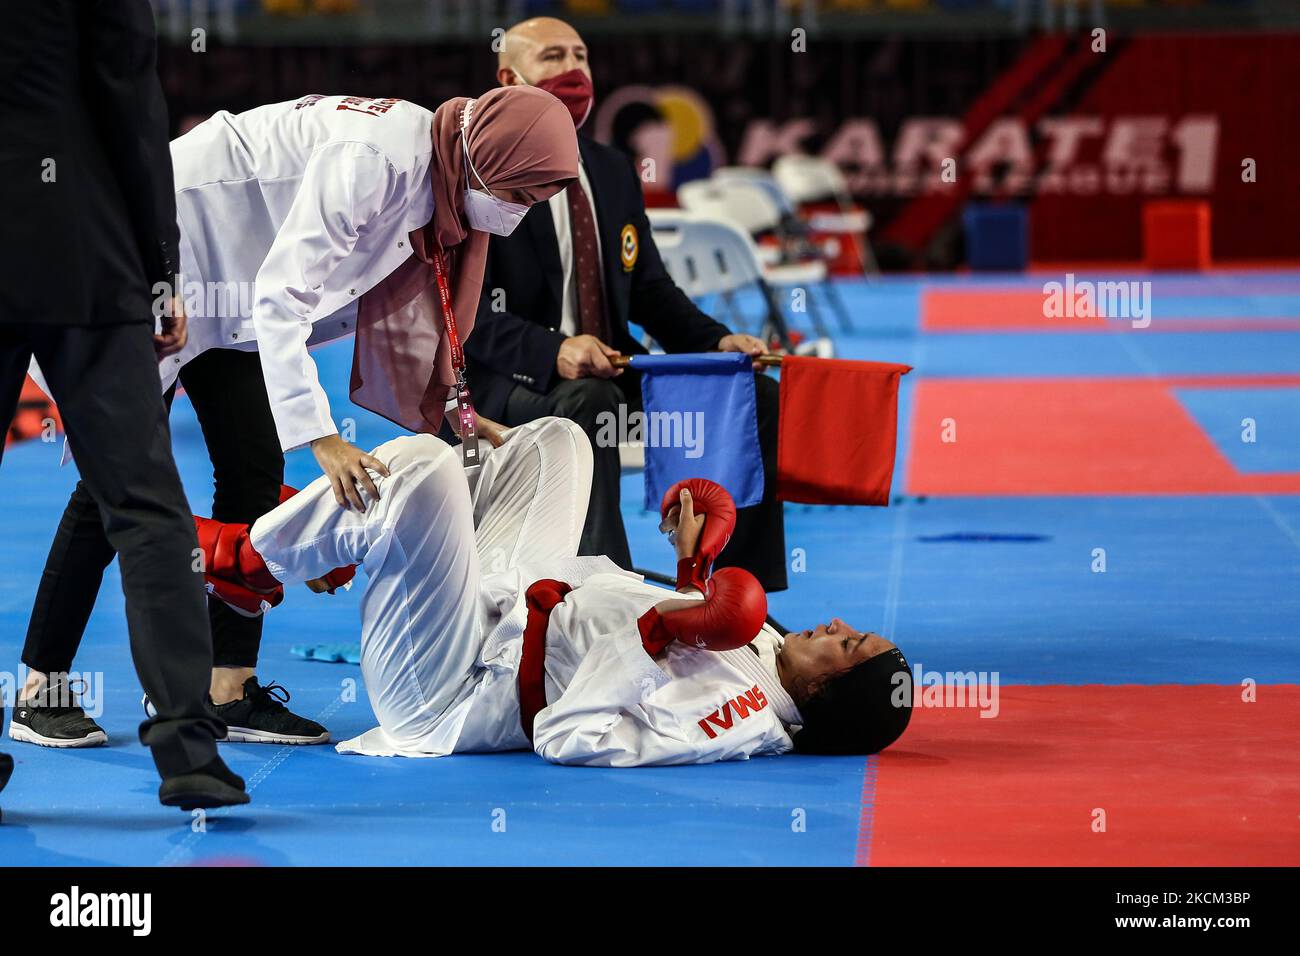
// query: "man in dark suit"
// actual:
[[90, 239], [558, 296]]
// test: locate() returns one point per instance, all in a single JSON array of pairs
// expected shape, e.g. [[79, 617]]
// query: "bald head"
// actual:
[[538, 49]]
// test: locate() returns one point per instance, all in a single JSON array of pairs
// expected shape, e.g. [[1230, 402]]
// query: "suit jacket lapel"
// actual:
[[541, 227]]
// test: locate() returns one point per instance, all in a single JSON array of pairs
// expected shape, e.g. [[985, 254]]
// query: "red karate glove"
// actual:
[[730, 616], [715, 504], [233, 570]]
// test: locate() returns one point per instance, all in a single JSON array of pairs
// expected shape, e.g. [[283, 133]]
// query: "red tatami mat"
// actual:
[[1186, 775], [1067, 437], [984, 310]]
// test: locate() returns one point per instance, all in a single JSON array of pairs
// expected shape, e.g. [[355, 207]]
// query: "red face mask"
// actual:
[[574, 90]]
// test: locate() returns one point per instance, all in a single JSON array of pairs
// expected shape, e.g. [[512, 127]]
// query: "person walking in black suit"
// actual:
[[560, 292], [90, 235]]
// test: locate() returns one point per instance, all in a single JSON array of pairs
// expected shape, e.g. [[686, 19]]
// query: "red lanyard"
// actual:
[[465, 408]]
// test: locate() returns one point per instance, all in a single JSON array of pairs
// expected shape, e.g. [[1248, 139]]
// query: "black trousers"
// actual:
[[229, 397], [105, 381], [758, 542]]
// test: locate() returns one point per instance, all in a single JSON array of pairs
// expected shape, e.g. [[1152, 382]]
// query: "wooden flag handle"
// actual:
[[623, 361]]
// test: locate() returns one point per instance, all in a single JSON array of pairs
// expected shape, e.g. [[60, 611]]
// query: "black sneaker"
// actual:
[[212, 785], [261, 718], [54, 718]]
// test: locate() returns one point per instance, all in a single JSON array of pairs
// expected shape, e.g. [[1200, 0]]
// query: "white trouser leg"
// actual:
[[531, 499], [420, 611]]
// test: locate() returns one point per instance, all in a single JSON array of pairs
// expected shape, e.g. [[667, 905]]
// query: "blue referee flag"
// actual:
[[700, 421]]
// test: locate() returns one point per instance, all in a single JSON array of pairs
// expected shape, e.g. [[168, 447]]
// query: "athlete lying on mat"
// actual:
[[458, 654]]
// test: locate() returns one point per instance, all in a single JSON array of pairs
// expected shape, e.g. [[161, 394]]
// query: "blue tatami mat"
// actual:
[[1196, 590]]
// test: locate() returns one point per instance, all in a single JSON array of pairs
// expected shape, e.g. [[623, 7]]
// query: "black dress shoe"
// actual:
[[212, 785], [6, 761], [6, 768]]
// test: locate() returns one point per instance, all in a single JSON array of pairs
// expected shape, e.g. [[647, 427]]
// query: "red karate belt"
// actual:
[[541, 598]]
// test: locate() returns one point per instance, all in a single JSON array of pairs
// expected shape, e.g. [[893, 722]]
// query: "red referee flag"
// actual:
[[839, 428]]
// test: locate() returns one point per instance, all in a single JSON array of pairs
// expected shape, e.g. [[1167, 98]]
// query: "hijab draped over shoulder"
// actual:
[[521, 139]]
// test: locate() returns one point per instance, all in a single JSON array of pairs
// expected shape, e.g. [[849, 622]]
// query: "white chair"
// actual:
[[736, 200], [792, 230], [709, 255], [761, 178], [790, 227], [811, 179], [751, 206]]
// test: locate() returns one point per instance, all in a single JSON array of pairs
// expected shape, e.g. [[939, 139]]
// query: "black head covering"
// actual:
[[861, 711]]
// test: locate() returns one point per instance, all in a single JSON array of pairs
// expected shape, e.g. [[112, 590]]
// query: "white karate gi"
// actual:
[[288, 213], [308, 204], [444, 611]]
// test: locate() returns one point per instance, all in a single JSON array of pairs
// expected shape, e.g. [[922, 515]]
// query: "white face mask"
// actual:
[[486, 212]]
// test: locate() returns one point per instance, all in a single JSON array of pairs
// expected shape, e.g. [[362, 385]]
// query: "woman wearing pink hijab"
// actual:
[[488, 182], [300, 223]]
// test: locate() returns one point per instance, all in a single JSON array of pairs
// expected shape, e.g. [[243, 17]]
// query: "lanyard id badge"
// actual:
[[464, 405]]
